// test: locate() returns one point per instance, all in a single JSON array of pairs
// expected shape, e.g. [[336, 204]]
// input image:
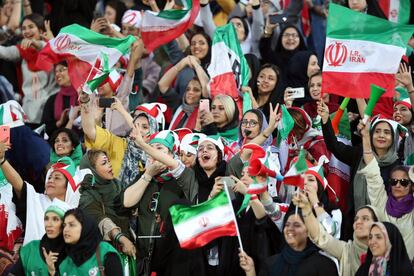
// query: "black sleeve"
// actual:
[[48, 116], [21, 204], [113, 265], [17, 269], [265, 50], [347, 154]]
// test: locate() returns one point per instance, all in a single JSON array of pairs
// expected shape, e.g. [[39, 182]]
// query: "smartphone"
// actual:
[[106, 102], [229, 182], [205, 105], [297, 93], [5, 134], [277, 18]]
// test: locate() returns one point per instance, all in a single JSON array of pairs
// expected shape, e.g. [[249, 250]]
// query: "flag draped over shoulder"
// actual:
[[228, 69], [197, 225], [161, 27], [361, 50], [81, 48]]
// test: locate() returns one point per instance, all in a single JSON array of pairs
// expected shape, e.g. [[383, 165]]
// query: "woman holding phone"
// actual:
[[186, 114]]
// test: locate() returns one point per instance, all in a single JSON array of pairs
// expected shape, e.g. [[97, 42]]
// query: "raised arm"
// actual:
[[404, 77], [207, 18], [165, 82], [316, 232], [201, 74], [164, 158], [9, 172], [87, 117]]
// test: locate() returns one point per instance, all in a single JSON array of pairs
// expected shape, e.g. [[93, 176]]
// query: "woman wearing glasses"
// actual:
[[395, 201]]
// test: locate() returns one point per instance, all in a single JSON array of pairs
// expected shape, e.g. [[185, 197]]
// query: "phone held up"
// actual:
[[205, 105], [5, 134], [106, 102]]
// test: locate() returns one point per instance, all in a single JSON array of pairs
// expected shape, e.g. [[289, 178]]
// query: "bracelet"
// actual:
[[412, 91], [118, 236], [2, 162], [265, 136], [254, 197], [307, 215], [368, 152]]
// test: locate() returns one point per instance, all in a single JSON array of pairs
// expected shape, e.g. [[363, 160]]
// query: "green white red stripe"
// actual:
[[80, 47], [294, 176], [159, 28], [361, 50], [285, 125], [228, 69], [397, 11], [195, 226]]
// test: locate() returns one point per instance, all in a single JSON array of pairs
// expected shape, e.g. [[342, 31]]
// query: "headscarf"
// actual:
[[106, 192], [67, 91], [263, 126], [57, 244], [76, 154], [396, 260], [398, 208], [288, 261], [134, 157], [89, 239], [360, 182], [297, 74], [282, 55]]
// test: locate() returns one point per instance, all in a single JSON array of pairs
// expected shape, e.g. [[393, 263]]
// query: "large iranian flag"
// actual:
[[228, 68], [197, 225], [361, 50], [82, 49], [158, 28]]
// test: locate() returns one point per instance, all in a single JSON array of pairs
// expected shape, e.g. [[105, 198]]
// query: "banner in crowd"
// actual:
[[361, 50], [228, 69], [396, 10], [159, 28], [197, 225], [81, 47]]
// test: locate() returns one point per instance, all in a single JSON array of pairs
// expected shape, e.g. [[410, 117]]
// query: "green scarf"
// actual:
[[107, 192], [231, 135], [76, 156]]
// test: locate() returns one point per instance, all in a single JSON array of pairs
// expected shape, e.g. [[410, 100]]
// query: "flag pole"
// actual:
[[90, 71], [234, 218]]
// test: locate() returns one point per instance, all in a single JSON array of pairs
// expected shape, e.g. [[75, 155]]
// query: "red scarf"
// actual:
[[191, 121], [68, 91]]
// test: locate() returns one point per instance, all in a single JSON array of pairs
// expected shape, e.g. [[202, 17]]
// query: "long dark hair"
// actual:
[[120, 9], [273, 98], [37, 19], [206, 60]]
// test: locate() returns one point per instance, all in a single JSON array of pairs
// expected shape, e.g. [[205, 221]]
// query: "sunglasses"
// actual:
[[403, 182], [154, 202]]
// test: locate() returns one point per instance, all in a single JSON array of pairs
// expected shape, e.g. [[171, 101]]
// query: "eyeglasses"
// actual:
[[154, 202], [251, 123], [403, 182], [287, 35]]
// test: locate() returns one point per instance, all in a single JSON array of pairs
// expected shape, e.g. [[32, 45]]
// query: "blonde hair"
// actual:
[[228, 104]]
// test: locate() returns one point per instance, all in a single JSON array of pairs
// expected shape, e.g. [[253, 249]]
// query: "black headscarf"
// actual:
[[297, 74], [56, 245], [204, 62], [89, 239], [283, 55], [254, 65], [398, 263], [288, 261]]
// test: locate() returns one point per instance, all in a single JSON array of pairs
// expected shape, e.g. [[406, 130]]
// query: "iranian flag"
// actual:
[[285, 125], [294, 176], [159, 28], [228, 69], [197, 225], [82, 48], [396, 10], [361, 50]]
